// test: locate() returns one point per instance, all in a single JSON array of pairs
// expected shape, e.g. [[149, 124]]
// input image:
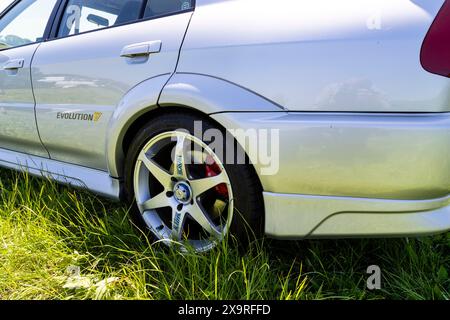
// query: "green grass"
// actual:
[[47, 231]]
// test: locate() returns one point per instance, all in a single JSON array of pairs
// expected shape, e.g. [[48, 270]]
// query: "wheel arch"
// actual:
[[197, 94]]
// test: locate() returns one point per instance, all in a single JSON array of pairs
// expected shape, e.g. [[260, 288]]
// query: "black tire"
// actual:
[[248, 216]]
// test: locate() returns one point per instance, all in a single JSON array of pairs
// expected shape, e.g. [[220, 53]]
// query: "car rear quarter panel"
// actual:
[[326, 55], [378, 156]]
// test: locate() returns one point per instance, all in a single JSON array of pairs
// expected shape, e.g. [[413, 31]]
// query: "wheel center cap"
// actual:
[[182, 192]]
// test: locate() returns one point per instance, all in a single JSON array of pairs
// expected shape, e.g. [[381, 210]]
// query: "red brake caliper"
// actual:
[[212, 170]]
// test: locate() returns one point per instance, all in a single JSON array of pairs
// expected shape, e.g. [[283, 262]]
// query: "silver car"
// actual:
[[291, 118]]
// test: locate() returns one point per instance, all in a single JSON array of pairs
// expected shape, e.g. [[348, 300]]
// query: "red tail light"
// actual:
[[435, 55]]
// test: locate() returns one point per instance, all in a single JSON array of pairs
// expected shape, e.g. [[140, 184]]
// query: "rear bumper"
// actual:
[[354, 174], [300, 216]]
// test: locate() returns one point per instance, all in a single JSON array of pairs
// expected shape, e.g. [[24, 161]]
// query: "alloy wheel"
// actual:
[[183, 191]]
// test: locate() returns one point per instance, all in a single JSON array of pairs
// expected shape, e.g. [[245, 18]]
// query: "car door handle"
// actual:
[[141, 49], [14, 64]]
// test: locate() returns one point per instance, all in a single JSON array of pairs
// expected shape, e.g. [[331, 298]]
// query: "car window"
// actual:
[[25, 23], [156, 8], [87, 15]]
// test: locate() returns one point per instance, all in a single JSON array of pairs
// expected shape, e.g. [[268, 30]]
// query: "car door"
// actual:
[[22, 28], [101, 50]]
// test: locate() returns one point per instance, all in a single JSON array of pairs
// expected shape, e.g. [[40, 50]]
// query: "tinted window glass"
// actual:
[[160, 7], [25, 23], [86, 15]]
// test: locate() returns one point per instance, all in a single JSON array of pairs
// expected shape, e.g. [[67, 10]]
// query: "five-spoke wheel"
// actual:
[[193, 186], [184, 192]]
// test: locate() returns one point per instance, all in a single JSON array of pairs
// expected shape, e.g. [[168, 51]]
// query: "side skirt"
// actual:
[[99, 182]]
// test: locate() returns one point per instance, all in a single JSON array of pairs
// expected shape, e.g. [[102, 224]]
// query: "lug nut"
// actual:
[[169, 194]]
